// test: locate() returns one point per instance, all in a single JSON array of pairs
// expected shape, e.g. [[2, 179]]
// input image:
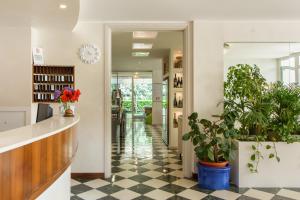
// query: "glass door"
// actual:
[[142, 95], [165, 111]]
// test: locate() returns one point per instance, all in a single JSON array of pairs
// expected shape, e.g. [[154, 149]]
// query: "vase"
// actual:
[[68, 109]]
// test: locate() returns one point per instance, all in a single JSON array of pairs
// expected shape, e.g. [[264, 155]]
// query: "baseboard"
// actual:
[[88, 175]]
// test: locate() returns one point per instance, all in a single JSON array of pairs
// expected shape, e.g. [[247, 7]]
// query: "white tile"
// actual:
[[92, 195], [158, 194], [97, 183], [224, 194], [151, 166], [258, 194], [174, 166], [184, 183], [126, 183], [74, 182], [126, 166], [125, 195], [192, 194], [155, 183], [126, 174], [149, 160], [177, 173], [289, 194], [153, 174], [170, 160]]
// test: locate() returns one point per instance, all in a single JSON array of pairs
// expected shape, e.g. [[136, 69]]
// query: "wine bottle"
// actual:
[[181, 82], [175, 81], [175, 101], [175, 122]]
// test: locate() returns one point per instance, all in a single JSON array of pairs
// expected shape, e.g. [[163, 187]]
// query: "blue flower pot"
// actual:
[[213, 178]]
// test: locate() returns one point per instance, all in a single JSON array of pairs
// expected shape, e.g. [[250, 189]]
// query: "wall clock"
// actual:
[[89, 54]]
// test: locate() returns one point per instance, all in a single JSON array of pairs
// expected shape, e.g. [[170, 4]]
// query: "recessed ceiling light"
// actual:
[[144, 35], [142, 46], [63, 6], [140, 54]]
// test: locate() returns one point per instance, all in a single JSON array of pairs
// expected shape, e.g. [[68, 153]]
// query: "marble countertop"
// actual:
[[15, 138]]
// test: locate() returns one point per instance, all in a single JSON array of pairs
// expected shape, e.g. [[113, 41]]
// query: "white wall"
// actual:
[[61, 48], [268, 67], [15, 68]]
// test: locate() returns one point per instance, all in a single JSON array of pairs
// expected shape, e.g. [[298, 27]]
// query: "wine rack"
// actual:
[[48, 79]]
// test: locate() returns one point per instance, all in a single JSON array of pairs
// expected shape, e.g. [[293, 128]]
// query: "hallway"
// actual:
[[144, 168]]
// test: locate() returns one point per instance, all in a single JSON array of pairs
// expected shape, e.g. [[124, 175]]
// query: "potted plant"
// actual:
[[67, 97], [214, 147]]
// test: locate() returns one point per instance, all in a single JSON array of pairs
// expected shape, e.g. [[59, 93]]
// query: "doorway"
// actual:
[[186, 28]]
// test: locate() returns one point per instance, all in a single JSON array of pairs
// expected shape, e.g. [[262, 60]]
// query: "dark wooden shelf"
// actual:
[[47, 79]]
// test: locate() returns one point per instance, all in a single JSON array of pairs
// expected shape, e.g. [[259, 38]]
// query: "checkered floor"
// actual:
[[144, 168]]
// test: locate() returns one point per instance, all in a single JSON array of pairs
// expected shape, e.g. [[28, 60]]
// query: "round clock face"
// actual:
[[89, 54]]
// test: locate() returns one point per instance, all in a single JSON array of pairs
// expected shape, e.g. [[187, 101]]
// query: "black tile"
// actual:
[[277, 197], [237, 189], [174, 189], [110, 189], [77, 189], [76, 198], [140, 170], [115, 163], [141, 188], [116, 169], [246, 198], [209, 197], [107, 198], [161, 163], [203, 190], [175, 197], [142, 198], [167, 178], [83, 180], [269, 190], [140, 178]]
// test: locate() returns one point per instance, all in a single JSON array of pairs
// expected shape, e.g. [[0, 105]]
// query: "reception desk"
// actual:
[[36, 158]]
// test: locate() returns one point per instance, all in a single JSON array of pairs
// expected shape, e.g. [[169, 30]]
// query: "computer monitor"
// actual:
[[44, 112]]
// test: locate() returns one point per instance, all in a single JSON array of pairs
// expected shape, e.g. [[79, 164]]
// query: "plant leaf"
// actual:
[[271, 155], [253, 157], [268, 147]]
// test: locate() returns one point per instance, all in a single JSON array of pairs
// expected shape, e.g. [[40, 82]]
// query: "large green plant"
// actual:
[[285, 112], [245, 92], [212, 139]]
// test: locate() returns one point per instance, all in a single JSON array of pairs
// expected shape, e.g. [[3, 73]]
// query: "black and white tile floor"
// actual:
[[143, 168]]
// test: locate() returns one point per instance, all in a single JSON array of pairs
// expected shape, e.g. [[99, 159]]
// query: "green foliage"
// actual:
[[212, 139], [286, 110], [263, 112], [140, 105]]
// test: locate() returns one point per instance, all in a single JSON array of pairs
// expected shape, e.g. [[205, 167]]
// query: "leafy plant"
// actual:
[[212, 139], [286, 110], [245, 94]]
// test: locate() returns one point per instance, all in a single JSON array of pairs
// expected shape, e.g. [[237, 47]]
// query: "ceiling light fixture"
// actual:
[[140, 54], [144, 35], [141, 46], [63, 6]]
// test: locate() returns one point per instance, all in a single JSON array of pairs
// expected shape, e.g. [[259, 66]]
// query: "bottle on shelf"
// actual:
[[175, 104], [180, 102], [175, 121], [175, 81]]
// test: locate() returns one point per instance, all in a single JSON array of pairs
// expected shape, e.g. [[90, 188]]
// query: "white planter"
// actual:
[[271, 173]]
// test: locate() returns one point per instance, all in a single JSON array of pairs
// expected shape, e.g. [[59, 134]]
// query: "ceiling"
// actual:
[[122, 59], [261, 50], [174, 10], [39, 13]]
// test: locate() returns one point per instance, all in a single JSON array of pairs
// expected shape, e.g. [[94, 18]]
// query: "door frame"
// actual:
[[187, 28]]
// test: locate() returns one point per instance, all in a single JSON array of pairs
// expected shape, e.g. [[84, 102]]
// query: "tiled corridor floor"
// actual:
[[143, 168]]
